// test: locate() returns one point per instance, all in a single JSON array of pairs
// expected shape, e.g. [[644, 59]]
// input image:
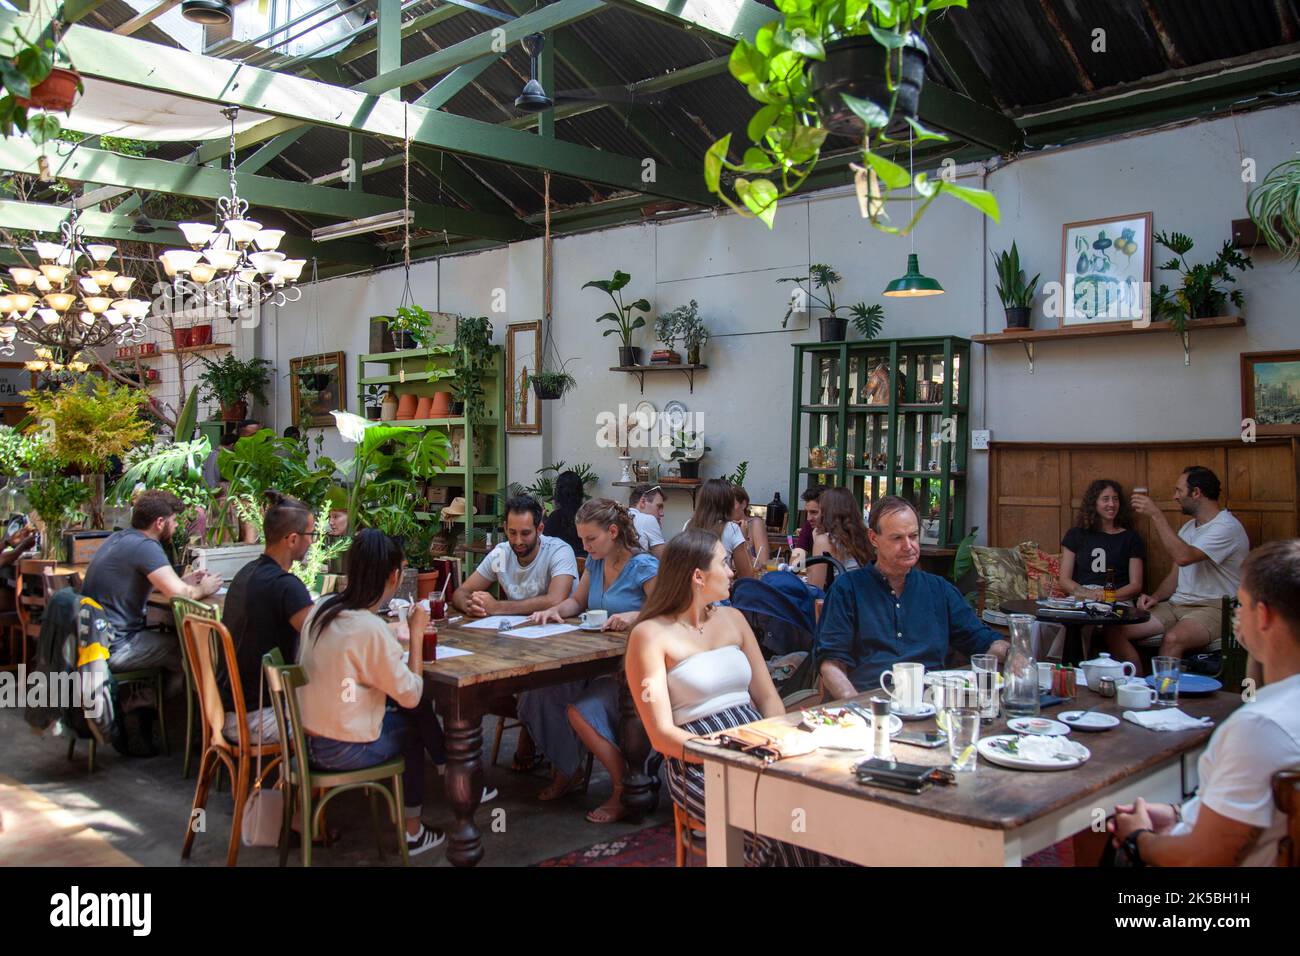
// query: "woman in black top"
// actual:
[[568, 499], [1103, 540]]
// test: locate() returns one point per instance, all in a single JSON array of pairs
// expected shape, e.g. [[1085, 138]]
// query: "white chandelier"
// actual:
[[85, 302], [236, 265]]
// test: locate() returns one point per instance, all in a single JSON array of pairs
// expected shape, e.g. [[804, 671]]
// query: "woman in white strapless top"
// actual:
[[696, 669]]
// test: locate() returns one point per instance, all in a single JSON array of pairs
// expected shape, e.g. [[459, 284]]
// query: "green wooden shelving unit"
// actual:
[[419, 372], [838, 437]]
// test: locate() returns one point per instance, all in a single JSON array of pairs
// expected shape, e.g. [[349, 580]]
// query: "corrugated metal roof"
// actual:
[[1030, 53]]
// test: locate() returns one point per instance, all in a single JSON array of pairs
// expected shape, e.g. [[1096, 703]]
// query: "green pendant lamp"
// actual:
[[913, 282]]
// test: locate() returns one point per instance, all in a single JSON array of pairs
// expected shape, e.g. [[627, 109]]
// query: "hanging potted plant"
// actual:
[[1274, 208], [1017, 296], [622, 319], [411, 328], [314, 378], [34, 81], [230, 382], [826, 66], [551, 385]]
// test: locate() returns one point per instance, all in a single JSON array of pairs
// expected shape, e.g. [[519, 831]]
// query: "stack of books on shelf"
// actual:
[[665, 357]]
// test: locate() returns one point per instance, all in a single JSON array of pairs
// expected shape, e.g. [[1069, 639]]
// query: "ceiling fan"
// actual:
[[533, 98]]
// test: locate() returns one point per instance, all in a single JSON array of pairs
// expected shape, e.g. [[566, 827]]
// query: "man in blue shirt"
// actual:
[[891, 611]]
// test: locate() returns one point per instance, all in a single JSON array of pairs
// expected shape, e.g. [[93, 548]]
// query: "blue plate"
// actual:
[[1191, 684]]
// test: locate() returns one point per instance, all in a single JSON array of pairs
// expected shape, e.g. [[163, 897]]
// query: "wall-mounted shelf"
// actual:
[[1029, 337], [691, 486], [193, 349], [640, 370]]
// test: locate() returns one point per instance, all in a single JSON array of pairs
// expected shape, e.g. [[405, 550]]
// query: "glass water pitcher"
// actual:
[[1020, 690]]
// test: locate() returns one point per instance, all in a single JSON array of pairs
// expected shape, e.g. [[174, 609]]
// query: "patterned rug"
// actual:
[[654, 846]]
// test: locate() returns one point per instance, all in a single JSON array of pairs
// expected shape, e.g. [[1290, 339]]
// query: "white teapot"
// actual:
[[1103, 665]]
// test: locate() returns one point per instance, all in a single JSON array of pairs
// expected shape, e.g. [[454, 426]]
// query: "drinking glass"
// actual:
[[1167, 671], [963, 735], [948, 692], [986, 685]]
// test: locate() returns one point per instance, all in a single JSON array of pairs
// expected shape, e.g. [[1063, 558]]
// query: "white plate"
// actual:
[[646, 412], [1042, 726], [990, 750], [856, 736], [927, 710], [673, 416], [1094, 721], [967, 675], [591, 627]]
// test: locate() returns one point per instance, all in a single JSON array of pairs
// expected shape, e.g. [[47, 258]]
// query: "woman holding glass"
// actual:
[[617, 579], [715, 507], [753, 529], [1103, 543]]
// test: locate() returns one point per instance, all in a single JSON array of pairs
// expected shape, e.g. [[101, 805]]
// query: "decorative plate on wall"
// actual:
[[674, 416], [646, 414]]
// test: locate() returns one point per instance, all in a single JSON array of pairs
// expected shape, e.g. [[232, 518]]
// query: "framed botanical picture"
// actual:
[[1105, 265], [523, 352], [317, 384], [1270, 391]]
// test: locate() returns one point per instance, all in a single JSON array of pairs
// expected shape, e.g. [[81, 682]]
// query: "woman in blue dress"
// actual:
[[564, 720]]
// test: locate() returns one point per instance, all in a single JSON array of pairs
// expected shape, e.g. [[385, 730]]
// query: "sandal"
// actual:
[[603, 815], [527, 763]]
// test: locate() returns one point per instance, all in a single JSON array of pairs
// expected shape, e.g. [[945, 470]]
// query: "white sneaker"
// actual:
[[489, 793], [426, 839]]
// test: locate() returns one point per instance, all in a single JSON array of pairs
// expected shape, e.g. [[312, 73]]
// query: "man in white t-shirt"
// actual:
[[1232, 820], [646, 506], [533, 571], [1207, 551]]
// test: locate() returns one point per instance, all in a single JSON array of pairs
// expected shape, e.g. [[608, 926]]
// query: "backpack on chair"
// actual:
[[98, 689]]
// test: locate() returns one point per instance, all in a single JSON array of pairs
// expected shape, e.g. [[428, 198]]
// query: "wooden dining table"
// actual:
[[464, 688], [992, 817]]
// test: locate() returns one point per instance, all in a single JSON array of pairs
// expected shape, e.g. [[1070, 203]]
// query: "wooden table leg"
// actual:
[[464, 739], [639, 794], [1072, 650]]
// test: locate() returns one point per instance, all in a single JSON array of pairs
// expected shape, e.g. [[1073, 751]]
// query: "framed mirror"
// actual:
[[523, 355]]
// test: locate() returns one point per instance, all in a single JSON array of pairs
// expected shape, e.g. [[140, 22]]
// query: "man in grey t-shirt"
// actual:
[[646, 508], [534, 572], [123, 572]]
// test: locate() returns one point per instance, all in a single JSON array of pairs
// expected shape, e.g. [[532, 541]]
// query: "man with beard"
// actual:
[[1207, 551], [534, 572], [128, 566]]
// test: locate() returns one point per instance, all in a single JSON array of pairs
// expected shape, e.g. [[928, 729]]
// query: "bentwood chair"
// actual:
[[689, 834], [208, 645], [1286, 795], [181, 608], [282, 682]]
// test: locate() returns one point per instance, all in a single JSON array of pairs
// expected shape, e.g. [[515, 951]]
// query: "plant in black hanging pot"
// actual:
[[623, 321], [551, 385], [861, 67], [825, 66], [1017, 295]]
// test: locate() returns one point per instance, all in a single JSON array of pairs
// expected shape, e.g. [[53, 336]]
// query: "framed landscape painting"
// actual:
[[1105, 265], [317, 383], [1270, 391]]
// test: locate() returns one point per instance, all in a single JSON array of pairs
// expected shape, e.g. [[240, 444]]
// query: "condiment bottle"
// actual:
[[881, 748]]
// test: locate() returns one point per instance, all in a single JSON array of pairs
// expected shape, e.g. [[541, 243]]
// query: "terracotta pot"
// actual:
[[422, 407], [201, 334], [441, 405], [426, 582], [406, 407], [234, 413], [56, 92]]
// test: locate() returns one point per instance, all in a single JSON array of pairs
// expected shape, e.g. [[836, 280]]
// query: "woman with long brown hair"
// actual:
[[1103, 543], [753, 529], [564, 719], [695, 668], [715, 505], [841, 533]]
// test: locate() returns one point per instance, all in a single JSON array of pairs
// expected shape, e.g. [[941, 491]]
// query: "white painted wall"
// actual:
[[1122, 389]]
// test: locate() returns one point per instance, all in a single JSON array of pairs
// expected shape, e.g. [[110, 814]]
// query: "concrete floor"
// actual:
[[141, 806]]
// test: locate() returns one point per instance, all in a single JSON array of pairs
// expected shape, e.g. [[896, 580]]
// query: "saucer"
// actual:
[[1094, 722], [591, 627], [1039, 726], [927, 710]]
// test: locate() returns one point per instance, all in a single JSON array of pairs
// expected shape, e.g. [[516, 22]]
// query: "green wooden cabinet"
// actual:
[[886, 416], [425, 371]]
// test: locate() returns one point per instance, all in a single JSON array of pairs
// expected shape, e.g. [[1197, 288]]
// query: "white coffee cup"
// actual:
[[909, 684], [1135, 695], [594, 619]]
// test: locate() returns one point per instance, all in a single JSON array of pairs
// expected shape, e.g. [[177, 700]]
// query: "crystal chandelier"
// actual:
[[235, 265], [85, 302]]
